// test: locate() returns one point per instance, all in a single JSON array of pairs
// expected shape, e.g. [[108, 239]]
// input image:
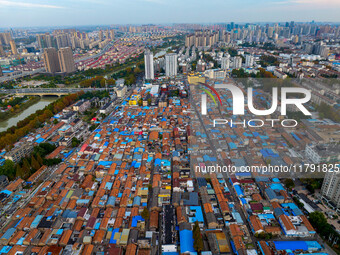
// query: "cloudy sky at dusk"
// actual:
[[14, 13]]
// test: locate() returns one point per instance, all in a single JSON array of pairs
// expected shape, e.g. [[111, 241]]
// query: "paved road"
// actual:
[[102, 52], [51, 90]]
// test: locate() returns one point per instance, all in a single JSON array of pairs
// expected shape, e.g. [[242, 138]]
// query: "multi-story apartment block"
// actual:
[[19, 152]]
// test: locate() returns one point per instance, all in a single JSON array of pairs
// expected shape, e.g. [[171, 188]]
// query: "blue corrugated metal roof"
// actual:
[[111, 200], [291, 245], [137, 200], [198, 214], [238, 190], [8, 233], [113, 234], [135, 220], [186, 241]]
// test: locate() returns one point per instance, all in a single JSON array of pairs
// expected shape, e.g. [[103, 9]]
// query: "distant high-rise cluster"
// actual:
[[139, 29], [61, 61], [6, 39], [316, 48], [72, 38], [201, 39], [255, 33]]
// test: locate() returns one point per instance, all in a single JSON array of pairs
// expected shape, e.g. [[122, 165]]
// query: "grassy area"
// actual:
[[11, 113]]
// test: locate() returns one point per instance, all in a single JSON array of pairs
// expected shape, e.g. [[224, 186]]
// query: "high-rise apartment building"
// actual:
[[100, 35], [149, 67], [49, 42], [337, 32], [66, 60], [225, 62], [112, 34], [189, 40], [330, 189], [249, 60], [5, 38], [270, 32], [51, 60], [13, 47], [202, 39], [237, 62], [2, 52], [221, 35], [44, 40], [171, 64], [63, 40], [41, 41], [227, 39]]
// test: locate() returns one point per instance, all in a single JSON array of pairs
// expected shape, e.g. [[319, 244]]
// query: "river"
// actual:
[[4, 125], [161, 53]]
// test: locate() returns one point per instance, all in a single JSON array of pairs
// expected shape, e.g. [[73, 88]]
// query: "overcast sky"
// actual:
[[20, 13]]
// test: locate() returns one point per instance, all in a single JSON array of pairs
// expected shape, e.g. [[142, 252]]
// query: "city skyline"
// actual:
[[93, 12]]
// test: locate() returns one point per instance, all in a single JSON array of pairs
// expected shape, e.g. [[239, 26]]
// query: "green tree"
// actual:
[[19, 172], [102, 83], [145, 213], [8, 169], [137, 70], [25, 171], [26, 164], [289, 183], [52, 161], [140, 102], [111, 82], [319, 222], [39, 159], [198, 241], [327, 111], [75, 142], [34, 163]]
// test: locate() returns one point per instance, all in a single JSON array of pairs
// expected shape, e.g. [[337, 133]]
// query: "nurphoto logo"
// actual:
[[238, 100]]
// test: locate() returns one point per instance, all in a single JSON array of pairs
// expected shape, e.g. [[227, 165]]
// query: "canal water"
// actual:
[[161, 53], [4, 125]]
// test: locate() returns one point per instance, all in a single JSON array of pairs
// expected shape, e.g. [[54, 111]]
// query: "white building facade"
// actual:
[[171, 64], [149, 67]]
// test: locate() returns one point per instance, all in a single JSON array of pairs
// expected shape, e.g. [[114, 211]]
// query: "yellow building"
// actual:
[[195, 78], [134, 100]]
